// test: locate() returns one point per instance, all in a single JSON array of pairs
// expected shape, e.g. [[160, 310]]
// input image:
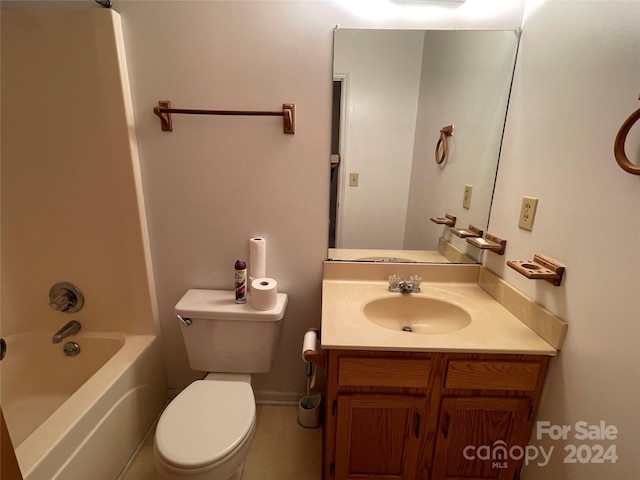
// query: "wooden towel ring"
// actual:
[[444, 133], [618, 145]]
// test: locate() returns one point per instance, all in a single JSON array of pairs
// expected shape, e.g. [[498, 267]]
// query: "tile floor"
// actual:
[[281, 450]]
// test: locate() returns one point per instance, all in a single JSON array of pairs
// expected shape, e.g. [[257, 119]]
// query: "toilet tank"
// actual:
[[223, 336]]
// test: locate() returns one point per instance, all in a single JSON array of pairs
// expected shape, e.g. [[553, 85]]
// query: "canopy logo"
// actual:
[[500, 454]]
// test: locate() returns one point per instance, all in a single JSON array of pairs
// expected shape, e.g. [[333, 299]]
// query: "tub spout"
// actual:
[[69, 329]]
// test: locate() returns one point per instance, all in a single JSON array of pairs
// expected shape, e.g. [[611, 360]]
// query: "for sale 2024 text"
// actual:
[[579, 452]]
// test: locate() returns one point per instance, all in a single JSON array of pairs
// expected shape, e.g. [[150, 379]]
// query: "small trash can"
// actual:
[[309, 411]]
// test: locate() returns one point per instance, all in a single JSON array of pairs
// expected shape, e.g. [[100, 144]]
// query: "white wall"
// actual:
[[382, 70], [216, 181], [466, 77], [577, 80], [566, 109]]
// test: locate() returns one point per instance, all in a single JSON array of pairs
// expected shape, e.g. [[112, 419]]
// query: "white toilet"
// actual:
[[205, 433]]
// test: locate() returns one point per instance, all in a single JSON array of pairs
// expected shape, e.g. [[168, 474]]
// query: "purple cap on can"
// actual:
[[240, 265]]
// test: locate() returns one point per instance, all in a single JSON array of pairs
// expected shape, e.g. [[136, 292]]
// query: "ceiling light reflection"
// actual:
[[380, 10]]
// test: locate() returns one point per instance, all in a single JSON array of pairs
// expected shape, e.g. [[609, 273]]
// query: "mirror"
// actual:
[[394, 90]]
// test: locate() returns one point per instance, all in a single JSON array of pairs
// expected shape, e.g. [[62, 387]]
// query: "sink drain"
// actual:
[[407, 328], [71, 349]]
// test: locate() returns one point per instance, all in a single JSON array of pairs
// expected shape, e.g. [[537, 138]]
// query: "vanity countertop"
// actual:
[[493, 328]]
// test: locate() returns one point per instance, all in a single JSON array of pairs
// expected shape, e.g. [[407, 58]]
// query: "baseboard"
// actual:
[[263, 397], [272, 397]]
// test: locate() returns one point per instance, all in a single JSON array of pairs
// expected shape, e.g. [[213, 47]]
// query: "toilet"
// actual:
[[205, 433]]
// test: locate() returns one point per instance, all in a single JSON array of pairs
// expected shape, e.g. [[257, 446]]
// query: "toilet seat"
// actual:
[[205, 423]]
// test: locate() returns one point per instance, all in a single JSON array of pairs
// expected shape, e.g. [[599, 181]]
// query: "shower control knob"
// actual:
[[62, 302], [65, 297]]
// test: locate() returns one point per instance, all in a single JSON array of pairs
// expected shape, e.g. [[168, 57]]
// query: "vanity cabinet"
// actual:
[[474, 435], [410, 415], [379, 437], [380, 403]]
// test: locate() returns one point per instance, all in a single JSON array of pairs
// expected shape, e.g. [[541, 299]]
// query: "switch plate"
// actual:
[[527, 212], [353, 179], [466, 199]]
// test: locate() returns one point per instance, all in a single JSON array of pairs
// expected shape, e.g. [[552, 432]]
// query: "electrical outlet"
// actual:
[[466, 199], [353, 179], [527, 212]]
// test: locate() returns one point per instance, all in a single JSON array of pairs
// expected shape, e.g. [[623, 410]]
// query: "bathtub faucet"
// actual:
[[69, 329]]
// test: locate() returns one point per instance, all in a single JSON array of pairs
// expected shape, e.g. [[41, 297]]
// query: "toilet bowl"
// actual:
[[205, 433]]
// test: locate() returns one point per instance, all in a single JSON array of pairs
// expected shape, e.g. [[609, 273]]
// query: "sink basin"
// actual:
[[417, 314]]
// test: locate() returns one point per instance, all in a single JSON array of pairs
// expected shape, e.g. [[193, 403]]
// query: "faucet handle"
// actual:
[[394, 282], [61, 302], [416, 280], [65, 297]]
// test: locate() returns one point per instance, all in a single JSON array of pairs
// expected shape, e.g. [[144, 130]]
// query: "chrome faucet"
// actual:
[[404, 286], [70, 328]]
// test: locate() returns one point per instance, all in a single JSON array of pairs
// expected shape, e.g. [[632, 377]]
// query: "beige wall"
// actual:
[[381, 85], [216, 181], [70, 176], [577, 80], [465, 81]]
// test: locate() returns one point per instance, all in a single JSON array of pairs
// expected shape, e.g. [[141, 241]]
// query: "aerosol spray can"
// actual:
[[240, 281]]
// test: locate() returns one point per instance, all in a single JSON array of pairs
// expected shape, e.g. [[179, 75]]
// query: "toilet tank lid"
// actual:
[[221, 305]]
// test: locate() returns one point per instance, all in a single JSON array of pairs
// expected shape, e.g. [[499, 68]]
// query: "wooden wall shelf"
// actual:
[[471, 232], [489, 242], [540, 268], [448, 220]]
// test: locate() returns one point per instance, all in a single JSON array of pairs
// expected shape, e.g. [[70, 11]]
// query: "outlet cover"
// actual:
[[527, 212], [466, 199]]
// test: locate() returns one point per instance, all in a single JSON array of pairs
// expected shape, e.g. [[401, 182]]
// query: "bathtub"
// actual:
[[80, 417]]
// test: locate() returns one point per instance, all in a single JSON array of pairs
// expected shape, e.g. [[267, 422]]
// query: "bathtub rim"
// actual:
[[35, 346], [55, 432]]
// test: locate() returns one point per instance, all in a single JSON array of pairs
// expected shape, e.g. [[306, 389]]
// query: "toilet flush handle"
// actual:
[[185, 320]]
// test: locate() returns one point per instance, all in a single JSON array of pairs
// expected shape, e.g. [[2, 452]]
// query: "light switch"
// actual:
[[466, 199], [353, 179]]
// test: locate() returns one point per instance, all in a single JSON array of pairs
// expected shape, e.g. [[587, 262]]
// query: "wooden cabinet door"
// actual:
[[480, 438], [378, 436]]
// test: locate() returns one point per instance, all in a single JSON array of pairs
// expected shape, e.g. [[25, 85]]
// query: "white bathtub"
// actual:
[[80, 417]]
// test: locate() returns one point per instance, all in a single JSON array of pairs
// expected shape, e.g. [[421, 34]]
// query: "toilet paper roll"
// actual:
[[309, 342], [264, 293], [257, 257]]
